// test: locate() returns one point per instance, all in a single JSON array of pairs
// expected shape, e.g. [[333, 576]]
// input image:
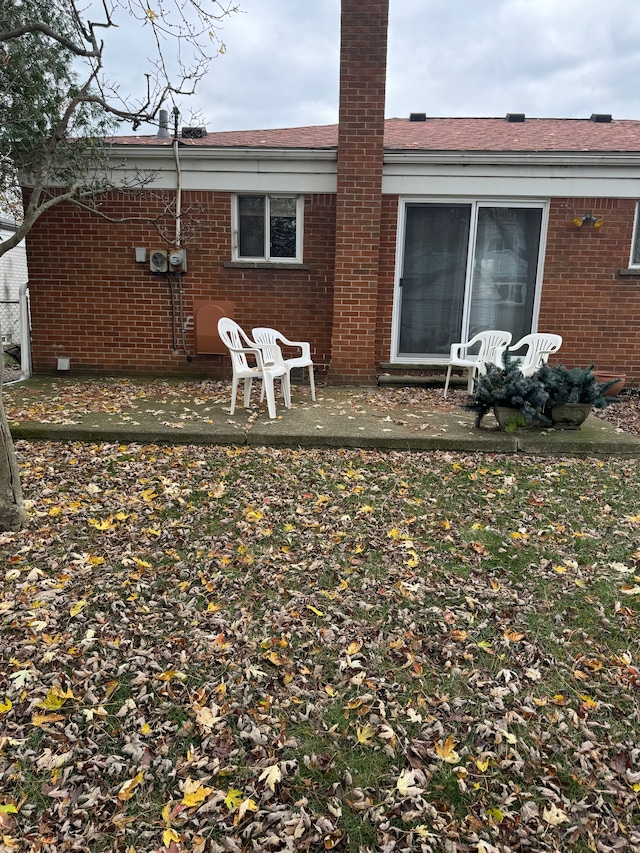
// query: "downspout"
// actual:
[[176, 157], [178, 240]]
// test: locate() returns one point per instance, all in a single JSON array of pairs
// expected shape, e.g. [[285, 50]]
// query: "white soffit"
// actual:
[[513, 174], [235, 170]]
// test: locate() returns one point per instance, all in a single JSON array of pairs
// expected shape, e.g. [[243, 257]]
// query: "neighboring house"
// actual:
[[380, 241], [13, 274]]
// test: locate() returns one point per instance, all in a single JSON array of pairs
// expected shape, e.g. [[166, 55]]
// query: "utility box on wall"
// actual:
[[206, 313]]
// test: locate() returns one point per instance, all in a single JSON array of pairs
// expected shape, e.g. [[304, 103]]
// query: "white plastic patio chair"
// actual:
[[540, 346], [273, 337], [269, 365], [491, 345]]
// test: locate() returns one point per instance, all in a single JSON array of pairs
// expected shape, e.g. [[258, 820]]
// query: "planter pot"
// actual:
[[615, 389], [570, 415], [511, 420]]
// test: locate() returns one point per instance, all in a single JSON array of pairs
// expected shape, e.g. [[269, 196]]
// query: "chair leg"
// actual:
[[267, 381], [472, 373], [286, 389], [312, 384], [234, 394], [446, 382], [247, 392]]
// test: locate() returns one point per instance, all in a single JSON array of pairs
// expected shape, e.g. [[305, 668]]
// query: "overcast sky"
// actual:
[[546, 58]]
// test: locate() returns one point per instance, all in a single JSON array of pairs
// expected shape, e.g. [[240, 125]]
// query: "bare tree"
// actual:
[[58, 107]]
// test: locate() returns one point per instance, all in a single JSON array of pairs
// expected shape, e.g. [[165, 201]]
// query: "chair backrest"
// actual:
[[268, 340], [492, 344], [264, 335], [491, 341], [540, 345], [233, 337]]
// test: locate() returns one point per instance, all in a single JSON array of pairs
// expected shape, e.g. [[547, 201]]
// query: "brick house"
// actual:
[[380, 241]]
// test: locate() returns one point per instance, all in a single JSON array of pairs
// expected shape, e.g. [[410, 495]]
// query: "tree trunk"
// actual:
[[12, 511]]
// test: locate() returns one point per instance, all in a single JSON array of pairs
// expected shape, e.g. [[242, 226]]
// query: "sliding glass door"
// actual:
[[466, 267]]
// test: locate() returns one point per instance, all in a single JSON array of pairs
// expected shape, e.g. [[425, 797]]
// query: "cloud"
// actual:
[[454, 58]]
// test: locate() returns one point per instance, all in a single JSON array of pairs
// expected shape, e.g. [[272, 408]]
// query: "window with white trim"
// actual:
[[267, 228], [635, 246]]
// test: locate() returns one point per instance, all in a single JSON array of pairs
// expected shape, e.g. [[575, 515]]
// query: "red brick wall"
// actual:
[[360, 156], [584, 299], [92, 302]]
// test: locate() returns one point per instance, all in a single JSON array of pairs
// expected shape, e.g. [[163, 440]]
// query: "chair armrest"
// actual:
[[254, 351], [304, 345], [454, 352]]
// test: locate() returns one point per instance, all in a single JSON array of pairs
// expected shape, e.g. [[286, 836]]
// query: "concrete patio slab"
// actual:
[[158, 412]]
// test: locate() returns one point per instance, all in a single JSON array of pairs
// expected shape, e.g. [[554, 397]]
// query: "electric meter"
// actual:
[[178, 260]]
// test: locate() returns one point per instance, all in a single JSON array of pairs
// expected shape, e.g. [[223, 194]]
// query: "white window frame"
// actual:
[[635, 239], [266, 258], [475, 201]]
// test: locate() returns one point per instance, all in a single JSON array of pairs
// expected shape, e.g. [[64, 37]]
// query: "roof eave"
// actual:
[[516, 158], [220, 153]]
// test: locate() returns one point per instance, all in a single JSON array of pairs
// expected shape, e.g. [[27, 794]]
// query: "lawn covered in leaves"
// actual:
[[234, 649]]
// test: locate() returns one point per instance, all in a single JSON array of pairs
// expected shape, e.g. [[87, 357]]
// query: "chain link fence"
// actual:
[[10, 323]]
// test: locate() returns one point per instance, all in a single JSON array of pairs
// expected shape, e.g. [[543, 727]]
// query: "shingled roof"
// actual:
[[437, 134]]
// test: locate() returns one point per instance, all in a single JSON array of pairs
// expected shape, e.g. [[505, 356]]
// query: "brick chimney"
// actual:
[[363, 65]]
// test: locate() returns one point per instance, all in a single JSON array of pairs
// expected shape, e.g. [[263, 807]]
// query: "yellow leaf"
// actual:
[[496, 815], [459, 636], [329, 690], [55, 699], [126, 791], [106, 524], [315, 610], [413, 560], [247, 805], [446, 751], [354, 647], [8, 808], [170, 674], [252, 514], [170, 835], [5, 706], [233, 799], [276, 659], [43, 719], [365, 734], [482, 764], [213, 607], [195, 793], [271, 775], [77, 607], [514, 636]]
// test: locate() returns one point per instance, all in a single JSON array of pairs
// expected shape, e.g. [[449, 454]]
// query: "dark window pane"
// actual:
[[636, 243], [283, 227], [251, 225]]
